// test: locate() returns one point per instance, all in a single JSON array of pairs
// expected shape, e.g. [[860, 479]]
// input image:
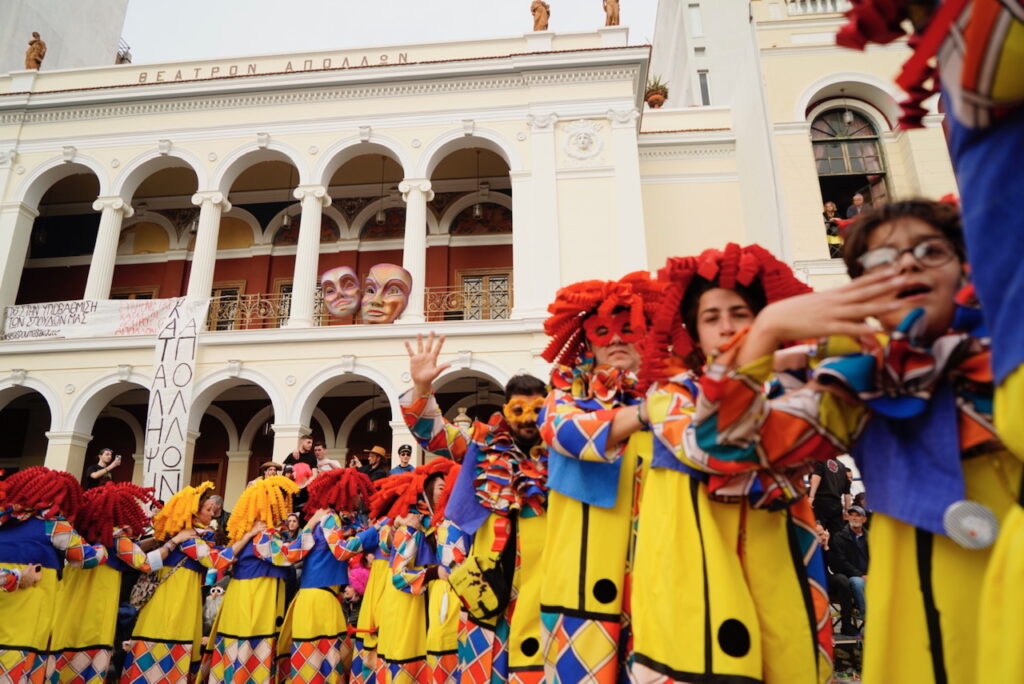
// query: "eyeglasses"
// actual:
[[930, 252]]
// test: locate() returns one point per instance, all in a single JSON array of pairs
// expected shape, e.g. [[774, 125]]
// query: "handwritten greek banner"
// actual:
[[86, 318]]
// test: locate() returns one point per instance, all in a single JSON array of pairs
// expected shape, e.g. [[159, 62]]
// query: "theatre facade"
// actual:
[[493, 171]]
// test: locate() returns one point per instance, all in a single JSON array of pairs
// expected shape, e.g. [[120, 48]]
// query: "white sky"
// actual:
[[184, 30]]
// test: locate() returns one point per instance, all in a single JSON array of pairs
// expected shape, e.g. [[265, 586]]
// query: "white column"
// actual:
[[632, 243], [416, 193], [235, 481], [15, 230], [307, 254], [211, 203], [66, 451], [104, 254]]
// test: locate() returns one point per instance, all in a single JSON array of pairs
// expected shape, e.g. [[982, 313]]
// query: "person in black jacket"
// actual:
[[851, 556], [838, 584], [375, 467]]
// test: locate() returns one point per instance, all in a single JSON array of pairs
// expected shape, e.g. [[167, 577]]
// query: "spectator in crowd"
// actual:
[[830, 214], [220, 518], [851, 554], [858, 206], [375, 467], [302, 476], [838, 585], [303, 454], [323, 464], [861, 499], [358, 575], [830, 493], [99, 473], [404, 454], [268, 469], [355, 460]]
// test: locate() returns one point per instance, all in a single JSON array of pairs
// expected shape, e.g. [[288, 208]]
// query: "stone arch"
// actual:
[[325, 427], [876, 116], [344, 151], [158, 219], [293, 210], [474, 368], [384, 203], [44, 176], [212, 385], [454, 140], [468, 402], [255, 423], [351, 420], [315, 388], [128, 419], [245, 216], [251, 153], [469, 199], [880, 94], [95, 397], [146, 164], [224, 419], [12, 387]]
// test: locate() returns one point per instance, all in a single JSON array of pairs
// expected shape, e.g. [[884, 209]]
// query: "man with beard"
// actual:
[[497, 509]]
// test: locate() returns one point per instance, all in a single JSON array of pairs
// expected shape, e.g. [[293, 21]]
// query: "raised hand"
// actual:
[[423, 366]]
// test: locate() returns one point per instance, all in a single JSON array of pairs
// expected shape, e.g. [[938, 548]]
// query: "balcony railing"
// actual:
[[468, 303], [801, 7]]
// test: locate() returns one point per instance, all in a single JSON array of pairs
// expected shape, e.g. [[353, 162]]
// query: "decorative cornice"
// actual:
[[542, 122], [689, 151], [625, 117]]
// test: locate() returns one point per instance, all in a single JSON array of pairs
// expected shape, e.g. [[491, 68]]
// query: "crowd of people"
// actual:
[[668, 506]]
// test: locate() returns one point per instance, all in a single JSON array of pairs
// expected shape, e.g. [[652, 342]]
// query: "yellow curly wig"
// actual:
[[268, 500], [177, 514]]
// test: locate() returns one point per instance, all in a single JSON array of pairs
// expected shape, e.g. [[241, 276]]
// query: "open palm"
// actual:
[[423, 366]]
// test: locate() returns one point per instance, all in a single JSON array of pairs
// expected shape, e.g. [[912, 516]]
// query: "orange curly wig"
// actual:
[[398, 493], [47, 492], [669, 344], [342, 489], [636, 292], [115, 504]]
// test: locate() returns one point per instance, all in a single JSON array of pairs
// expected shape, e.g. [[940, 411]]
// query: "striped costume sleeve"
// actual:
[[271, 547], [9, 579], [337, 541], [77, 551], [205, 552], [453, 544], [409, 580], [430, 429], [575, 432], [129, 553], [368, 540]]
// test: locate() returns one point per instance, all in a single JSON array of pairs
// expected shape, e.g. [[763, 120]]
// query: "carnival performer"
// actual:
[[165, 643], [747, 584], [594, 475], [243, 639], [410, 499], [976, 46], [375, 539], [112, 515], [914, 409], [35, 531], [498, 500], [313, 646]]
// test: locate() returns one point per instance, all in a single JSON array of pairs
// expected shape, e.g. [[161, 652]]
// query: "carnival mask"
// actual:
[[340, 287], [601, 329], [522, 410], [385, 293]]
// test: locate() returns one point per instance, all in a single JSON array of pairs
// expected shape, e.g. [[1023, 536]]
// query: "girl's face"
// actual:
[[720, 314], [436, 489], [929, 287], [293, 523], [207, 512]]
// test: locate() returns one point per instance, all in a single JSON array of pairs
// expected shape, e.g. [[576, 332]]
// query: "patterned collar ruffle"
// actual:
[[586, 380], [508, 480]]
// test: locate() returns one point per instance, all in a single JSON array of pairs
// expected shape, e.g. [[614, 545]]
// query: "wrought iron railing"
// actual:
[[259, 311], [795, 7], [468, 303]]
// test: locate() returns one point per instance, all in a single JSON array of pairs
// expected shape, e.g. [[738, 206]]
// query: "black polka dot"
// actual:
[[734, 638], [530, 647], [605, 591], [279, 621]]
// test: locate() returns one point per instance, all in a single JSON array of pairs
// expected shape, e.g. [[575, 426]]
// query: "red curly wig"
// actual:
[[343, 489], [669, 345], [45, 491], [115, 504], [398, 493], [636, 292]]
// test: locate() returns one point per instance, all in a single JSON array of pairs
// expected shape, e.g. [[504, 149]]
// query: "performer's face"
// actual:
[[929, 287], [520, 413], [720, 314], [207, 512], [340, 287], [435, 490], [385, 293]]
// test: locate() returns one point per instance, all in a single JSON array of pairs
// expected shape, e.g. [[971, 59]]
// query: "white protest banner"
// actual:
[[170, 396], [86, 318]]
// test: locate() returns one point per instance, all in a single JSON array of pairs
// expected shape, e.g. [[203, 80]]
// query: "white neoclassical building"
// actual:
[[494, 171]]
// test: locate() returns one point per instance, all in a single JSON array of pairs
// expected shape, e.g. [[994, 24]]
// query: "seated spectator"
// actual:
[[851, 554], [404, 454], [838, 585]]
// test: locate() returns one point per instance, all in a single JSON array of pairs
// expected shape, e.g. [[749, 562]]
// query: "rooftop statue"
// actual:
[[541, 12], [36, 52], [611, 12]]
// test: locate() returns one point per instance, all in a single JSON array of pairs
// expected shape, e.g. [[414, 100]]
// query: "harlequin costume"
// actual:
[[110, 516], [497, 503], [402, 637], [165, 645], [242, 642], [592, 494], [972, 49], [35, 528], [313, 647], [746, 584], [375, 539]]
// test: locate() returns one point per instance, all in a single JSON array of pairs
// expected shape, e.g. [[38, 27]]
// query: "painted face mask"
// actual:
[[522, 411], [340, 287], [602, 329], [385, 293]]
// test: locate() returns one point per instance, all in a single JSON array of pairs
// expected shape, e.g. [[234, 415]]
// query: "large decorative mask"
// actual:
[[340, 287], [385, 293]]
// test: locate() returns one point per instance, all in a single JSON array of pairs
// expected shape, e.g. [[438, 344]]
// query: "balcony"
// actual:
[[476, 301], [807, 7]]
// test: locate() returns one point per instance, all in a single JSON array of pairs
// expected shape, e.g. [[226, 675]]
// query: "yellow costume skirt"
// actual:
[[402, 641], [241, 647], [82, 646], [443, 606], [366, 667], [26, 618], [313, 646], [168, 635], [525, 659], [585, 578]]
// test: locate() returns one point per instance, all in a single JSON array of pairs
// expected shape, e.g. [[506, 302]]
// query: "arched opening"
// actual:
[[468, 393], [63, 236], [359, 412], [120, 426], [226, 417], [849, 161], [24, 421]]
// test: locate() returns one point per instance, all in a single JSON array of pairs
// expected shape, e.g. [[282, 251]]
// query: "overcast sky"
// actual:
[[183, 30]]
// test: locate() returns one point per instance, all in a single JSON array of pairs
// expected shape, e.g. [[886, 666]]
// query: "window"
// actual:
[[845, 142], [705, 93], [693, 18], [485, 295], [134, 292]]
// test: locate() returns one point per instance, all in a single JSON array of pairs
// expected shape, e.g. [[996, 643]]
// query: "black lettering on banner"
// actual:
[[159, 377], [171, 457], [182, 376], [168, 485]]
